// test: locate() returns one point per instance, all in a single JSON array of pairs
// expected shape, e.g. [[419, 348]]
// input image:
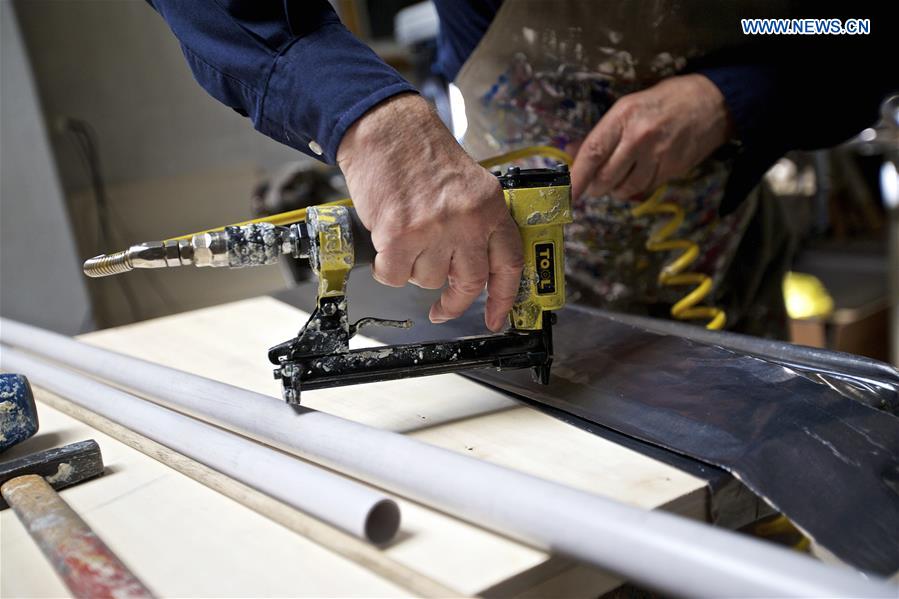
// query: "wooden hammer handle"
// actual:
[[86, 565]]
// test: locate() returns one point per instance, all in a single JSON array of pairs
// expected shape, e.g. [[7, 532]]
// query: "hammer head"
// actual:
[[18, 414], [61, 467]]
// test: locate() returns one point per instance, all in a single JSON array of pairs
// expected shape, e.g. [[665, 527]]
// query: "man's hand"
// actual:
[[650, 137], [435, 215]]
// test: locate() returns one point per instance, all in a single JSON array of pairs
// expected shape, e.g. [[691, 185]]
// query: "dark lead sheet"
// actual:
[[829, 463]]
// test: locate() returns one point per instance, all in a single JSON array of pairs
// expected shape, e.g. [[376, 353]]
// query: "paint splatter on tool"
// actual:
[[18, 414]]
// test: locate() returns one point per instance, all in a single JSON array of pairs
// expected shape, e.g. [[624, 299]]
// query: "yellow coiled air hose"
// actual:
[[529, 152], [778, 528], [675, 273]]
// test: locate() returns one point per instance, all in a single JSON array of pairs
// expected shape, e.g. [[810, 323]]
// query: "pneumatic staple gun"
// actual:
[[333, 240]]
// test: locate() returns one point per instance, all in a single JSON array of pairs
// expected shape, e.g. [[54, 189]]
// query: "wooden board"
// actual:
[[179, 537], [222, 548]]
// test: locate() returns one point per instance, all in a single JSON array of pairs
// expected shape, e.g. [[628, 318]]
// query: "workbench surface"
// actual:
[[184, 539]]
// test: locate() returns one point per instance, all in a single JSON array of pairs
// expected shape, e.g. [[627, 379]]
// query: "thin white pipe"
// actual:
[[660, 550], [353, 507]]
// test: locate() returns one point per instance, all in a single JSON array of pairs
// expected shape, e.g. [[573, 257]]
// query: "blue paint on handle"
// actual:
[[18, 414]]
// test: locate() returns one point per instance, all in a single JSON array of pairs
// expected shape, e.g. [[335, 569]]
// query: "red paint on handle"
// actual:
[[86, 565]]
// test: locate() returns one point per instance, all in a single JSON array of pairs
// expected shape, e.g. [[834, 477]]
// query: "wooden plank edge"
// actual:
[[324, 535]]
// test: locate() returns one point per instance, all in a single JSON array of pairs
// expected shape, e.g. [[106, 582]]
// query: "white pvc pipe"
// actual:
[[351, 506], [660, 550]]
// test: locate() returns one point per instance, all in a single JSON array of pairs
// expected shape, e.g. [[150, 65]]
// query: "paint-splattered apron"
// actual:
[[545, 73]]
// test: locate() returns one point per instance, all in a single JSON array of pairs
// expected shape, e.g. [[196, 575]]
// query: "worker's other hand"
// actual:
[[435, 215], [650, 137]]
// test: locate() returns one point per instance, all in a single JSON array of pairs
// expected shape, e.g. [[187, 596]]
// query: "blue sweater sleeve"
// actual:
[[784, 108], [299, 75], [795, 104]]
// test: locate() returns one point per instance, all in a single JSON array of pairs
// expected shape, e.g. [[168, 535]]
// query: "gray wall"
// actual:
[[40, 282], [116, 64], [175, 159]]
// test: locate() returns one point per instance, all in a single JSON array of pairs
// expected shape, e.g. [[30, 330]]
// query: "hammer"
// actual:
[[27, 484]]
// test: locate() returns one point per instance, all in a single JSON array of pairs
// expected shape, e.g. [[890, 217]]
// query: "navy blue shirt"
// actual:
[[302, 78]]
